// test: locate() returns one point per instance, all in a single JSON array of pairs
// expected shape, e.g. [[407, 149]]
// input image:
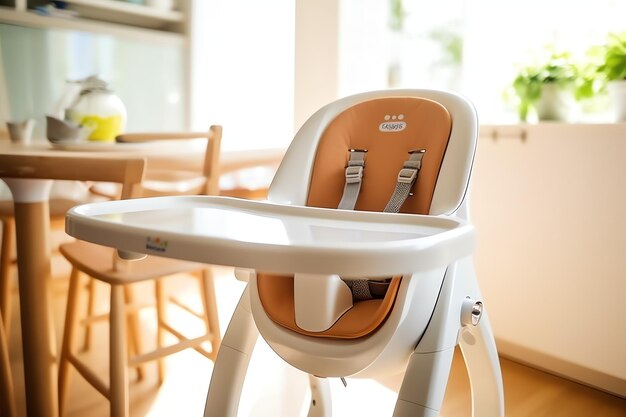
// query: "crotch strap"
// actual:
[[365, 289]]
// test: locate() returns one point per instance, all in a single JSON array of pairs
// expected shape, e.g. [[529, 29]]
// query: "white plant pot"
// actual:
[[617, 92], [556, 103]]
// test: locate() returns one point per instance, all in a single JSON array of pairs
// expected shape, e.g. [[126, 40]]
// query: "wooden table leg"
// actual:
[[38, 338]]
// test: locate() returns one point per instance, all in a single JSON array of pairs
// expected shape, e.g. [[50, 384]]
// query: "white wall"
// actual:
[[316, 56]]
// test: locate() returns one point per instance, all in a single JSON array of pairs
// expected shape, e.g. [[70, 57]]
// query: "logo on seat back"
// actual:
[[392, 123]]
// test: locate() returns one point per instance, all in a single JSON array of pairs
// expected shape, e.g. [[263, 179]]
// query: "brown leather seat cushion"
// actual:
[[419, 124], [276, 294]]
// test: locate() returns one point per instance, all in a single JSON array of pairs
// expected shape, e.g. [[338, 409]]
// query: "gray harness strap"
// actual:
[[354, 176], [365, 289], [406, 179]]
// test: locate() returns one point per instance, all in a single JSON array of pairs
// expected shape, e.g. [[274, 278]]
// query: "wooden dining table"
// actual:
[[29, 171]]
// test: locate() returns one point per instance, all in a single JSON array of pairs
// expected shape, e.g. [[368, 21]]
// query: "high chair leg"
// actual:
[[69, 333], [483, 366], [8, 244], [321, 403], [232, 362], [118, 366], [207, 290], [427, 374], [424, 384]]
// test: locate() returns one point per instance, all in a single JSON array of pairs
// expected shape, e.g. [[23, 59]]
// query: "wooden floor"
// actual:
[[528, 392]]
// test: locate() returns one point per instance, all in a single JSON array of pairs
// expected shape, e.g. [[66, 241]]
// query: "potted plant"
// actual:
[[613, 71], [548, 88]]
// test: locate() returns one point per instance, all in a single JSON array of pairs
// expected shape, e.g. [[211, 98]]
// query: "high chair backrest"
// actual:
[[388, 124]]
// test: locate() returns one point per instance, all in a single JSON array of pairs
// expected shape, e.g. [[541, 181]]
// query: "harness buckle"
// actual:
[[407, 175], [354, 173]]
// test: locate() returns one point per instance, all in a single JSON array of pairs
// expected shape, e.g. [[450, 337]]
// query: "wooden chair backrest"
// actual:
[[210, 168]]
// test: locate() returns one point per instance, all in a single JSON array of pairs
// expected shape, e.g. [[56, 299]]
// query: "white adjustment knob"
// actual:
[[471, 311]]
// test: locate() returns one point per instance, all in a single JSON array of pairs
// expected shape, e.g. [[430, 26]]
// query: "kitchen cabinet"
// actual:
[[149, 30], [547, 201]]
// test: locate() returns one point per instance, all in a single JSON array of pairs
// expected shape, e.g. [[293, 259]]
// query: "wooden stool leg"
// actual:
[[8, 244], [160, 310], [207, 290], [91, 301], [69, 333], [118, 366], [134, 334]]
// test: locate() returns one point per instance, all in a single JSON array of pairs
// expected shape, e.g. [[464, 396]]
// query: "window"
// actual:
[[243, 71], [474, 48]]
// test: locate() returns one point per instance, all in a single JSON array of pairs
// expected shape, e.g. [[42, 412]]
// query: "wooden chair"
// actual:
[[159, 182], [162, 182], [103, 265]]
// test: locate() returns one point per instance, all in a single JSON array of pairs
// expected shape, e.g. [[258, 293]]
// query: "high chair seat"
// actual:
[[276, 293]]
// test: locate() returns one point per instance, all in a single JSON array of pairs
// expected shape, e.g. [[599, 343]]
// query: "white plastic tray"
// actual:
[[274, 238]]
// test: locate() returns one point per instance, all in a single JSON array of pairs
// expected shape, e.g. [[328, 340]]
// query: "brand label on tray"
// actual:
[[156, 244]]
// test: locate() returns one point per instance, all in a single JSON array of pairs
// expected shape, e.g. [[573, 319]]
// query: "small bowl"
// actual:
[[58, 130]]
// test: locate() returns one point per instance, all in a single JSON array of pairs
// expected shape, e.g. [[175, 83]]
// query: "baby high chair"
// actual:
[[342, 292]]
